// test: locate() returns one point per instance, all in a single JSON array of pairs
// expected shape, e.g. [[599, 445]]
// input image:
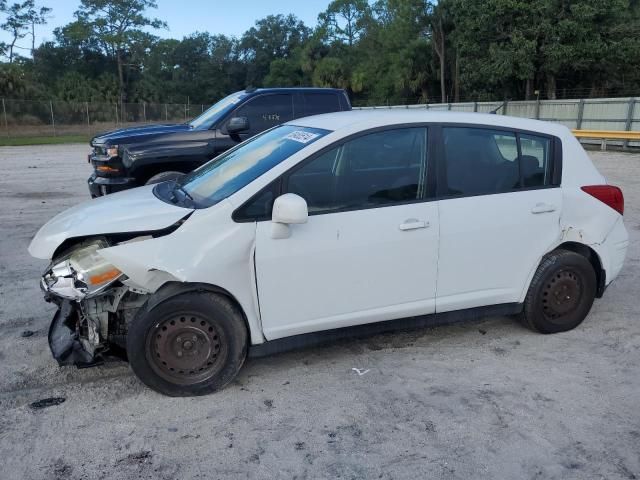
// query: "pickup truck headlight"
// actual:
[[81, 273], [112, 151]]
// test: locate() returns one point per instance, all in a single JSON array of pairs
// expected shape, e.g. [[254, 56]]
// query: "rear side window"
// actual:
[[266, 111], [317, 103], [483, 161]]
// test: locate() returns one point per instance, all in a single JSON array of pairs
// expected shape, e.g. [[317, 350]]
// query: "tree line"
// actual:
[[387, 51]]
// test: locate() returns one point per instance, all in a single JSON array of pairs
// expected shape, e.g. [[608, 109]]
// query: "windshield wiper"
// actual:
[[179, 188], [186, 194]]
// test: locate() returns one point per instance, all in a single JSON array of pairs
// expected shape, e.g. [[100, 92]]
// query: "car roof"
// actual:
[[380, 117], [293, 89]]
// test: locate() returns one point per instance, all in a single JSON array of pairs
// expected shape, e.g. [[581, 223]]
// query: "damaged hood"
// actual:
[[135, 210]]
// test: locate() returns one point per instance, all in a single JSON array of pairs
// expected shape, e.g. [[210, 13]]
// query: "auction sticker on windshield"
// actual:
[[301, 136]]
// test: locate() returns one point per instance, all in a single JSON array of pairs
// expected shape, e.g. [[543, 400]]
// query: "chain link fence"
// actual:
[[27, 118]]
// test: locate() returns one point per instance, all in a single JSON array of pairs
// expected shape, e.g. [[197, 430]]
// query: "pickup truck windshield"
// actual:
[[215, 112], [226, 174]]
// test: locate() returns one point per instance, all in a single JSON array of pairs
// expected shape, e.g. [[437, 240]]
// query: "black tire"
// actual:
[[163, 177], [561, 292], [191, 344]]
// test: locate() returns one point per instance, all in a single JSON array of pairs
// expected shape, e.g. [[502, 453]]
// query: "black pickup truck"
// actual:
[[135, 156]]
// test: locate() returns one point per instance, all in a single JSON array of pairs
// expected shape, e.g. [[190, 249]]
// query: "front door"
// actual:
[[369, 249]]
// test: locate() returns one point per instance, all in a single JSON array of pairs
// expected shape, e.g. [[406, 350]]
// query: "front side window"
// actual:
[[374, 170], [482, 161], [214, 113], [266, 111], [226, 174]]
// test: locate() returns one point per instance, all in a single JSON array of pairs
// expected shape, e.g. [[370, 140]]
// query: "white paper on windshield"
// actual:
[[301, 136]]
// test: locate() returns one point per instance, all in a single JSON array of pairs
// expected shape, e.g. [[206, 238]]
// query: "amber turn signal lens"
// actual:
[[107, 169], [104, 277]]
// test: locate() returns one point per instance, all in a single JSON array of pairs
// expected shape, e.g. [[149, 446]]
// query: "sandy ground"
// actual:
[[480, 400]]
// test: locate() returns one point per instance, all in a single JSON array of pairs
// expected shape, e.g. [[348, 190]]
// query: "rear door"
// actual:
[[499, 213], [369, 249]]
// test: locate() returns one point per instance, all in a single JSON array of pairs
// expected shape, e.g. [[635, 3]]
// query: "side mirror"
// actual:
[[288, 209], [238, 125]]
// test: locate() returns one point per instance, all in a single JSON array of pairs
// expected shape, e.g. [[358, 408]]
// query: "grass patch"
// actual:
[[44, 140]]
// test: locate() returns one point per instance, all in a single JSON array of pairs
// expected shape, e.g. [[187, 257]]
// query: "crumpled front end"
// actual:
[[64, 338], [94, 306]]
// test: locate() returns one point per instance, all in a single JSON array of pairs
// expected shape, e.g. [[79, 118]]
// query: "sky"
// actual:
[[187, 16]]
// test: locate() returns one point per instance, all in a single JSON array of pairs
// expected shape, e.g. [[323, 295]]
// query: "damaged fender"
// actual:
[[198, 252]]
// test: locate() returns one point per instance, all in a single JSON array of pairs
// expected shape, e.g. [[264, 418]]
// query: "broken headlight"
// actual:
[[81, 273]]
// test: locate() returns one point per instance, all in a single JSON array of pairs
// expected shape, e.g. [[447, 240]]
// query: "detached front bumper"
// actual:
[[64, 339], [99, 186]]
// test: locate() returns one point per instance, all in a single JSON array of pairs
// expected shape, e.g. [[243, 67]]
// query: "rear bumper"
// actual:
[[99, 186], [613, 251]]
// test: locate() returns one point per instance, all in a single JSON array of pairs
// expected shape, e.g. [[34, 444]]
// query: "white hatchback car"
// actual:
[[328, 222]]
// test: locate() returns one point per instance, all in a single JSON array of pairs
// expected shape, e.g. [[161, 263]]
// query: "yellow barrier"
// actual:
[[604, 135], [607, 134]]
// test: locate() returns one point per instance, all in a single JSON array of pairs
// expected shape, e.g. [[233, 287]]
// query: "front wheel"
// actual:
[[561, 292], [190, 344]]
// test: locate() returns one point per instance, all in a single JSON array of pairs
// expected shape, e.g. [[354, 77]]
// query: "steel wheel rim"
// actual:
[[186, 348], [561, 295]]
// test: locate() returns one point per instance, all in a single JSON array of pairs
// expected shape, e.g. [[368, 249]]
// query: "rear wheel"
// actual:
[[561, 292], [190, 344], [163, 177]]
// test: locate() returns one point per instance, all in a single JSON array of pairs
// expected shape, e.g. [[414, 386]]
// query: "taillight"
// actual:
[[608, 194]]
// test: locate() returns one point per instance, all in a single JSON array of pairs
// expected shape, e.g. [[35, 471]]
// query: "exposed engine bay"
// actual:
[[95, 307], [83, 332]]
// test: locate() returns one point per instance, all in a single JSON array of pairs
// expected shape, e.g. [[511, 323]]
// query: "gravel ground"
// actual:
[[487, 399]]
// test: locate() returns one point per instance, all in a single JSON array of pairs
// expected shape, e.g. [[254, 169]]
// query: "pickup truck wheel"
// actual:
[[190, 344], [561, 292], [163, 177]]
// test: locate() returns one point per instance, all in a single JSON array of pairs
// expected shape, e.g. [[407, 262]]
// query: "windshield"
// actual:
[[215, 112], [226, 174]]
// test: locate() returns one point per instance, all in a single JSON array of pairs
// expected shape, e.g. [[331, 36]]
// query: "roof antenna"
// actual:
[[495, 110]]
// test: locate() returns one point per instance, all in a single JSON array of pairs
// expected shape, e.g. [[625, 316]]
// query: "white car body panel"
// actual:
[[208, 248], [347, 268], [489, 246], [129, 211]]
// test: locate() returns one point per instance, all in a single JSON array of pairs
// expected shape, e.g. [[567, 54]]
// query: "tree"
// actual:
[[16, 24], [438, 20], [275, 36], [382, 51], [117, 25], [35, 16], [345, 20]]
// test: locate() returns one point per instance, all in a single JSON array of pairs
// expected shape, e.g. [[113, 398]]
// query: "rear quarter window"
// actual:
[[317, 103]]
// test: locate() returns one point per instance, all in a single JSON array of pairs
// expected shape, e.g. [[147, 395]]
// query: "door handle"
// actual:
[[543, 208], [412, 224]]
